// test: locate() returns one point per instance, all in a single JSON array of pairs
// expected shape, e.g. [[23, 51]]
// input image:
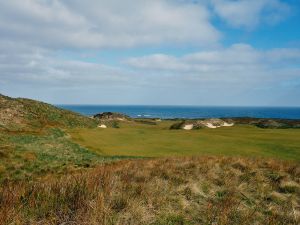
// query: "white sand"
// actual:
[[210, 125], [188, 126], [102, 126], [228, 124]]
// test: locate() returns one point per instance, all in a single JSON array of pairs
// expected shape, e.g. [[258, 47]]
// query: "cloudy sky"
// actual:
[[151, 52]]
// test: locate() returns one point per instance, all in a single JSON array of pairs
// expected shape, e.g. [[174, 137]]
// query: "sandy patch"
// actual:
[[210, 125], [188, 126], [228, 124]]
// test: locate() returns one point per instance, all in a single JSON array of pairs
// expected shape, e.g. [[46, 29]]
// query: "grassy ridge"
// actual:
[[136, 139], [175, 191], [19, 114]]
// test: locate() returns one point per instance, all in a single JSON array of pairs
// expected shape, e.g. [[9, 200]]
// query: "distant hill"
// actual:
[[24, 114]]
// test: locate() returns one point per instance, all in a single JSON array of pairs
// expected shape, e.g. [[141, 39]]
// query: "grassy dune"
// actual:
[[173, 191], [136, 139], [20, 114]]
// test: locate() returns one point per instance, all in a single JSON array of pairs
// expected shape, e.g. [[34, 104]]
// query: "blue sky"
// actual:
[[158, 52]]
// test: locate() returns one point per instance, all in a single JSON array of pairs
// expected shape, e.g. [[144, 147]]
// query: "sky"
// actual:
[[151, 52]]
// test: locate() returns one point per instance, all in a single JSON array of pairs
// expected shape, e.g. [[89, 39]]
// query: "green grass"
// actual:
[[135, 139], [25, 155]]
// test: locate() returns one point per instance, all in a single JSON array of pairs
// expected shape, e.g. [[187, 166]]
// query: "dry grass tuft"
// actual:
[[192, 190]]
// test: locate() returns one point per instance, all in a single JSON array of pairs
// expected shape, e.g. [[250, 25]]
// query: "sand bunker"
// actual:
[[228, 124], [188, 127], [210, 125]]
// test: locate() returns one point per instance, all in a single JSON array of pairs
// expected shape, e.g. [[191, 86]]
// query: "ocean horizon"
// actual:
[[188, 112]]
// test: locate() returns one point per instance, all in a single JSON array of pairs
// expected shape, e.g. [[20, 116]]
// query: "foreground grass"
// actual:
[[136, 139], [175, 191]]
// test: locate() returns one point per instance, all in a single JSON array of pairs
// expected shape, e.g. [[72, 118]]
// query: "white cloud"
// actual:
[[250, 13], [236, 56], [31, 32], [237, 75], [33, 66], [239, 64], [234, 75], [102, 24]]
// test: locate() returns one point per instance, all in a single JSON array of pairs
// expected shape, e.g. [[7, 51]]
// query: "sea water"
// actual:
[[170, 112]]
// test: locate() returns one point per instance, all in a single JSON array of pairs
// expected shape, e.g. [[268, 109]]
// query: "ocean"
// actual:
[[171, 112]]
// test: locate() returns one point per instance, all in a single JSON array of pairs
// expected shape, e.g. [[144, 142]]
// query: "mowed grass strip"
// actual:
[[133, 139]]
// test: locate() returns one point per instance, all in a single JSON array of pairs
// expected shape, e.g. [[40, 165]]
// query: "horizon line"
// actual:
[[161, 105]]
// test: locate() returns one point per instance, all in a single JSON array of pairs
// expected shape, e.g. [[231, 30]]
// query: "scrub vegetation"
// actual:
[[175, 191]]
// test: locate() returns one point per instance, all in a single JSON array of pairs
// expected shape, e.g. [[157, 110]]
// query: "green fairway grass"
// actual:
[[136, 139]]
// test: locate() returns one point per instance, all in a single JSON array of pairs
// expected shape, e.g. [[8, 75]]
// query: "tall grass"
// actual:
[[198, 190]]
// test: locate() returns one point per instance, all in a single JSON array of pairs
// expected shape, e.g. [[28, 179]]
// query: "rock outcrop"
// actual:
[[111, 116]]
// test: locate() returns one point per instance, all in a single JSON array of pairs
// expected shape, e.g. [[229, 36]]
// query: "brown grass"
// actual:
[[198, 190]]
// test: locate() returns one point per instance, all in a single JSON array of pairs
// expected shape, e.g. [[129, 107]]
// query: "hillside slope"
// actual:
[[24, 114], [32, 140]]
